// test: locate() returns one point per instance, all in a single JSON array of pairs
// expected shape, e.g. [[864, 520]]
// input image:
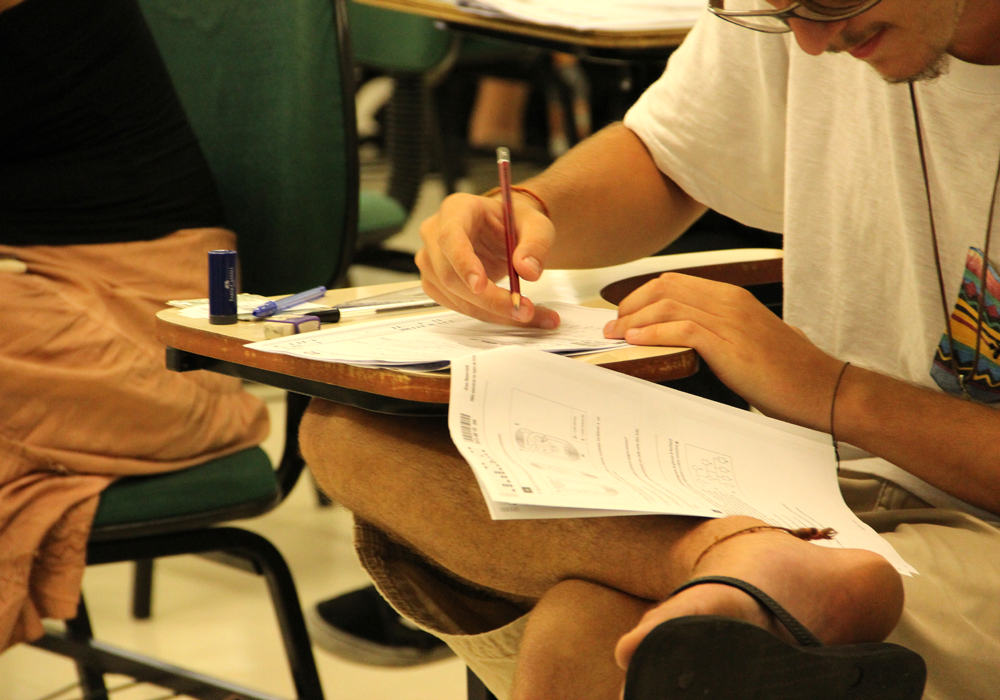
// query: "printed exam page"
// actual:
[[547, 436]]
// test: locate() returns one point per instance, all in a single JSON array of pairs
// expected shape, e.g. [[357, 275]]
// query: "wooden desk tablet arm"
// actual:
[[760, 277]]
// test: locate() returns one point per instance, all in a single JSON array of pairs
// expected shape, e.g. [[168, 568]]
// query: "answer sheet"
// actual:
[[431, 341], [550, 438]]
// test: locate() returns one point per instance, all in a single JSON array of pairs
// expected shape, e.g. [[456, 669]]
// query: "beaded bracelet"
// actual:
[[522, 190]]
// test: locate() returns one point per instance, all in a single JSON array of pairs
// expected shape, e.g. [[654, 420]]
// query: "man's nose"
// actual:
[[814, 37]]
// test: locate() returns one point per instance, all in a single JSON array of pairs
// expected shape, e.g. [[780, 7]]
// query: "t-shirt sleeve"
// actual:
[[715, 121]]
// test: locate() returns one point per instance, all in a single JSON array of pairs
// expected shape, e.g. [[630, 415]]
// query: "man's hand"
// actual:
[[767, 362], [465, 252]]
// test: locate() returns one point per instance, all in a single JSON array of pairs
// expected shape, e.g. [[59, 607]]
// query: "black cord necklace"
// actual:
[[962, 376]]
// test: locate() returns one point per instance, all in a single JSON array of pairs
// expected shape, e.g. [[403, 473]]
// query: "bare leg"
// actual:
[[498, 113], [566, 651], [405, 476], [566, 648]]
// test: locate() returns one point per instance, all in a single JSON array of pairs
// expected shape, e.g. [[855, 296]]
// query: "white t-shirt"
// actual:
[[823, 150]]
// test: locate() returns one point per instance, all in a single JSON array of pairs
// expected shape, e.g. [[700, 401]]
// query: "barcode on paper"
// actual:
[[469, 433]]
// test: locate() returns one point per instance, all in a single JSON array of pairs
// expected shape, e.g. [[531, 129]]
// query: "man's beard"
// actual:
[[935, 69], [940, 59]]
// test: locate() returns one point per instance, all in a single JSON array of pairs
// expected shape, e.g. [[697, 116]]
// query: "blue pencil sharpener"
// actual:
[[221, 287]]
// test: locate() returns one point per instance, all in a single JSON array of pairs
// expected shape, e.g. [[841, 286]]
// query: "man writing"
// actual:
[[882, 181]]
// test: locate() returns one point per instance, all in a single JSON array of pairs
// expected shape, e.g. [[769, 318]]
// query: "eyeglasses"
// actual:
[[772, 15]]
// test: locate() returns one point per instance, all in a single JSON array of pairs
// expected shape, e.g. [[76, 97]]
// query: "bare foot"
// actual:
[[843, 596]]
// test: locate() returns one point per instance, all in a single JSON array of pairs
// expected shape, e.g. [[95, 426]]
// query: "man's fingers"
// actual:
[[681, 334], [465, 250], [535, 237], [665, 319], [494, 305], [693, 291], [449, 250]]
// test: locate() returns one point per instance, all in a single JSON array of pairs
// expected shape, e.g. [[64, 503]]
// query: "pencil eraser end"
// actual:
[[13, 265], [286, 324]]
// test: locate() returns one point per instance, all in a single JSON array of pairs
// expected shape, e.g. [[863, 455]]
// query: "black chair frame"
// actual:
[[233, 546]]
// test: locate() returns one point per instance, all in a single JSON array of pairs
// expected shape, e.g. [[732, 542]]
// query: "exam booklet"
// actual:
[[547, 437]]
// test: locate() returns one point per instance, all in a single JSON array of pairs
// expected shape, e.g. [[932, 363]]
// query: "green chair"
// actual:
[[268, 87], [415, 54], [435, 72]]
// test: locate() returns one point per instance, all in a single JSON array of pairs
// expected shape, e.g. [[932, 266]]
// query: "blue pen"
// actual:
[[269, 308]]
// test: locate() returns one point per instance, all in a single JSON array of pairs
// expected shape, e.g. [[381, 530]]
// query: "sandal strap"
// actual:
[[799, 631]]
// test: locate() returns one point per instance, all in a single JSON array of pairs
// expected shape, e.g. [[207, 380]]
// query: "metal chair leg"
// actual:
[[255, 553], [79, 629], [285, 598], [142, 589]]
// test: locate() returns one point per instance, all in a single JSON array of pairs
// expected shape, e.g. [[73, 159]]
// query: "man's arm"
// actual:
[[949, 443], [608, 202]]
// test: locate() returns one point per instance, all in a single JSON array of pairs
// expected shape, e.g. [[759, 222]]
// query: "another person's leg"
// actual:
[[498, 113]]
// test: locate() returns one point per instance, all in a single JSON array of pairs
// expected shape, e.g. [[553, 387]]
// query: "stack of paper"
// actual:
[[431, 341], [548, 438], [589, 15]]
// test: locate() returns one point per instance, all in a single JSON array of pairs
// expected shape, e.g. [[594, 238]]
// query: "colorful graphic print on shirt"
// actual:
[[983, 381]]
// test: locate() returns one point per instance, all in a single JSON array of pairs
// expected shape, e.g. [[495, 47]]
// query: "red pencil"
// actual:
[[503, 165]]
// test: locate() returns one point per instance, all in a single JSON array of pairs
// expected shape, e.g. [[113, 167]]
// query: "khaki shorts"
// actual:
[[951, 617]]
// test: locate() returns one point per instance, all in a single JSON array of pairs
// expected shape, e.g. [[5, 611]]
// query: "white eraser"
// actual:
[[288, 324]]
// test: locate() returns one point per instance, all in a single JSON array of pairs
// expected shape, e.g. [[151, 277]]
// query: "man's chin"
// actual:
[[931, 70]]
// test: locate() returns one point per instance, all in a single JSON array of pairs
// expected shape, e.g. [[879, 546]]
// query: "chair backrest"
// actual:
[[396, 41], [268, 89]]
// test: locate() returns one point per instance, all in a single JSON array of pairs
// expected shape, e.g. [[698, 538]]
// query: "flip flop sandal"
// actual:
[[720, 658]]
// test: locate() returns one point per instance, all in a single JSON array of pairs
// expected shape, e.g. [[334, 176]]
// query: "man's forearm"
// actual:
[[950, 443], [610, 203]]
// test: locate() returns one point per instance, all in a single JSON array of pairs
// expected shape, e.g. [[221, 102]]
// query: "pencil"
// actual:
[[503, 165]]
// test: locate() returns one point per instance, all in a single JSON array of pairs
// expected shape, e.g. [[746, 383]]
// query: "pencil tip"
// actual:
[[516, 298]]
